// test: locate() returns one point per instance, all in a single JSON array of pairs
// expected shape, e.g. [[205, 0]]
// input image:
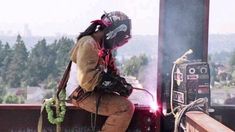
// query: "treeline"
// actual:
[[43, 64]]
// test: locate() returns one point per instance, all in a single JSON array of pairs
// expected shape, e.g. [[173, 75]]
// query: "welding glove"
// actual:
[[114, 84]]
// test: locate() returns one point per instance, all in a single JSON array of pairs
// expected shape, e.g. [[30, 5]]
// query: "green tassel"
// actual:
[[60, 116]]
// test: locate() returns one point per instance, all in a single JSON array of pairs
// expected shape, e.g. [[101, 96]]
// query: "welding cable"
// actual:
[[135, 88], [145, 91], [192, 105], [172, 86], [175, 109], [180, 60], [183, 127], [171, 94]]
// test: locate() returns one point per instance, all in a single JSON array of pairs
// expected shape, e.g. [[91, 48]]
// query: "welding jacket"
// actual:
[[89, 64]]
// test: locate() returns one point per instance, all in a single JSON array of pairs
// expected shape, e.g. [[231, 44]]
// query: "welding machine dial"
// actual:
[[203, 70], [192, 71]]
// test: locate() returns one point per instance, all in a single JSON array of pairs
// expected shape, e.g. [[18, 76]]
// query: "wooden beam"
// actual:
[[197, 121]]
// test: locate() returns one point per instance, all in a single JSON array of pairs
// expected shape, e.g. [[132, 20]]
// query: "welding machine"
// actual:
[[191, 81]]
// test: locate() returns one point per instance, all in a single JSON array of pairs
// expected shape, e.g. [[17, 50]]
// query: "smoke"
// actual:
[[182, 27], [149, 80], [147, 77]]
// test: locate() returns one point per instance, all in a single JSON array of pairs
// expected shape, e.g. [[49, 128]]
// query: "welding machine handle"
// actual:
[[183, 58]]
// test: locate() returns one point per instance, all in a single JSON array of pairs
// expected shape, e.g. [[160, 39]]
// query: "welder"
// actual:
[[101, 89]]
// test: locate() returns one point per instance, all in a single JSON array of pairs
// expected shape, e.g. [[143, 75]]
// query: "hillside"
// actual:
[[219, 43]]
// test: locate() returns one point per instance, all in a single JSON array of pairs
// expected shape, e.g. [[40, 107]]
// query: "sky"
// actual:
[[222, 16], [50, 17], [70, 17]]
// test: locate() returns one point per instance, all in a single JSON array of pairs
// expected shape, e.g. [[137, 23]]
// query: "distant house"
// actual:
[[12, 91], [34, 95], [31, 94], [16, 91]]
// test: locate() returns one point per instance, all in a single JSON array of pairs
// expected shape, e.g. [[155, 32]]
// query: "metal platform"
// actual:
[[24, 118]]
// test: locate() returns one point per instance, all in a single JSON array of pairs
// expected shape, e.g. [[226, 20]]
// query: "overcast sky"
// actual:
[[51, 17]]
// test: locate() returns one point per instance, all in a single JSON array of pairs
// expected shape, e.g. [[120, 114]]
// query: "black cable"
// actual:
[[93, 121], [92, 126]]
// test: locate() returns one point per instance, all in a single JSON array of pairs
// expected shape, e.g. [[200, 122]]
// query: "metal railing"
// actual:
[[24, 118]]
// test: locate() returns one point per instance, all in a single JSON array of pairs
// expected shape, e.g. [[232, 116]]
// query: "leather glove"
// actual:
[[107, 83], [124, 89], [114, 83]]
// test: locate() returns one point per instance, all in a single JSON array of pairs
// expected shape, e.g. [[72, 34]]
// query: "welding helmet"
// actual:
[[118, 29]]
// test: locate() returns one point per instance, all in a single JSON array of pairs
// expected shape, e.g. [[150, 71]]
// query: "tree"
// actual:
[[62, 47], [2, 92], [11, 99], [232, 59], [41, 63], [7, 56], [18, 64], [1, 53], [2, 56], [1, 100], [135, 64]]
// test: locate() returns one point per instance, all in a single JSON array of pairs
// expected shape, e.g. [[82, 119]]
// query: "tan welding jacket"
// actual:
[[89, 64]]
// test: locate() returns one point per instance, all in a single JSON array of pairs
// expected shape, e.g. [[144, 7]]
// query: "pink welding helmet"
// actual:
[[118, 29]]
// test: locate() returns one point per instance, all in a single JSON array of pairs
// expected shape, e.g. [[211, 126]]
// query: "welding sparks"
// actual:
[[153, 107]]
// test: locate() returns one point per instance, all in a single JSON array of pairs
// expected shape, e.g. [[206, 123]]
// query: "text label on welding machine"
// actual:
[[192, 77], [178, 76], [178, 96]]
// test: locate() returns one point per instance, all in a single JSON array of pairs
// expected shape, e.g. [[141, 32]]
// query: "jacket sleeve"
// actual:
[[89, 72]]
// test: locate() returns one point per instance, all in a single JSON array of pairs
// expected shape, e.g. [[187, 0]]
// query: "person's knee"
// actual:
[[130, 108]]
